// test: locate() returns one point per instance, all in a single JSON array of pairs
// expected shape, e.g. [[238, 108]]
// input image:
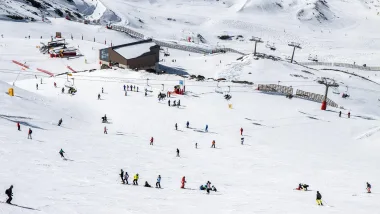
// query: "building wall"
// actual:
[[142, 62], [116, 57]]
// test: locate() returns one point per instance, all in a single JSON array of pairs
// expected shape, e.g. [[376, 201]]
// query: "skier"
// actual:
[[176, 126], [98, 96], [208, 187], [122, 176], [9, 193], [340, 113], [61, 153], [135, 179], [60, 122], [37, 86], [18, 126], [63, 90], [126, 176], [169, 102], [242, 140], [213, 144], [174, 103], [369, 187], [134, 88], [183, 181], [177, 152], [147, 184], [151, 141], [241, 131], [206, 129], [319, 199], [349, 114], [196, 145], [146, 93], [105, 130], [179, 103], [102, 90], [124, 87], [55, 85], [158, 183], [125, 93], [30, 133], [137, 89], [104, 119], [187, 124]]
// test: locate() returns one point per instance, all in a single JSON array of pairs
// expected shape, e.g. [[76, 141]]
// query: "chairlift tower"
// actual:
[[328, 83], [256, 40], [294, 45]]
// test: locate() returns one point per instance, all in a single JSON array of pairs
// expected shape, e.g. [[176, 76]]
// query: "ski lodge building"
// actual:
[[141, 55]]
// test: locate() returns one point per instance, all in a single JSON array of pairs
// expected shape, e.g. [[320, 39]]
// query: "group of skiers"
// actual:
[[131, 88], [208, 187], [348, 114], [175, 103], [125, 176], [303, 187]]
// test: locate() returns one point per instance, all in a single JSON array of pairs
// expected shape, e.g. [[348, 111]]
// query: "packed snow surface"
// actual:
[[286, 141]]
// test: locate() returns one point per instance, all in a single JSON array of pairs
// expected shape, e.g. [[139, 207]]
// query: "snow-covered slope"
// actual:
[[286, 141]]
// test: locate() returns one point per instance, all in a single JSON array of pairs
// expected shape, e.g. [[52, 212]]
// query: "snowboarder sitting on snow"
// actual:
[[203, 187], [369, 187], [319, 199], [146, 184], [302, 187], [61, 153], [9, 193], [213, 188]]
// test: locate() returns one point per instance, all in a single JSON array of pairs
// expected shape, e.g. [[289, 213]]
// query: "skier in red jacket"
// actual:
[[241, 131], [183, 181], [151, 141], [18, 126]]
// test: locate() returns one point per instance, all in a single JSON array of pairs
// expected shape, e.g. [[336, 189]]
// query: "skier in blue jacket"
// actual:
[[158, 183]]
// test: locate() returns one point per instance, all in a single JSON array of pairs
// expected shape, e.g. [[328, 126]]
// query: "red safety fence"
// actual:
[[45, 71], [71, 69], [20, 64]]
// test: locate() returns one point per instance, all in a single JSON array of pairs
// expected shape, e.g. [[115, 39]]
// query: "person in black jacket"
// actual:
[[369, 187], [9, 194], [319, 199], [122, 176], [147, 184]]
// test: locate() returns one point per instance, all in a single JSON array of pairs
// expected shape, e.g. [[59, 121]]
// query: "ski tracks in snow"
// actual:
[[369, 133]]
